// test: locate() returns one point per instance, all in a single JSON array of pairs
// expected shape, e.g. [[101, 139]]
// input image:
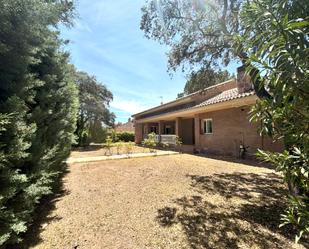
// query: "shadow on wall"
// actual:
[[232, 211]]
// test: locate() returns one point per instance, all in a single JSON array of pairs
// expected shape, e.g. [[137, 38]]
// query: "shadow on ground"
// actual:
[[42, 216], [253, 161], [232, 211]]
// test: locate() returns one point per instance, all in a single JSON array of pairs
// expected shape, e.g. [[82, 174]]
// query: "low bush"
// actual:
[[122, 136], [150, 141], [126, 136]]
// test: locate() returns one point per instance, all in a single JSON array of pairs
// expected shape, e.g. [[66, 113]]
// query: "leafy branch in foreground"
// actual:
[[278, 32]]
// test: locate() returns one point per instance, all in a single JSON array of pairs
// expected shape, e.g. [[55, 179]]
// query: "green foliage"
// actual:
[[178, 142], [150, 141], [129, 147], [203, 78], [109, 144], [126, 136], [94, 100], [114, 136], [97, 133], [270, 38], [119, 145], [122, 136], [199, 33], [278, 32], [38, 107]]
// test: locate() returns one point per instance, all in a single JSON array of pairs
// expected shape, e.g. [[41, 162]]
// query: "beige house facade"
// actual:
[[213, 120]]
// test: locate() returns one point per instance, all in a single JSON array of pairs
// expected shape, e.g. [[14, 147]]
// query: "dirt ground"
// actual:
[[99, 150], [179, 201]]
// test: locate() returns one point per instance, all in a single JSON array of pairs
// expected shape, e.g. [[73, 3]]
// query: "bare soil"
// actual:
[[100, 150], [179, 201]]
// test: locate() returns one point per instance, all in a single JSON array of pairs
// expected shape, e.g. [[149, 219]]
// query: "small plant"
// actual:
[[150, 141], [129, 147], [118, 147], [109, 144], [178, 143]]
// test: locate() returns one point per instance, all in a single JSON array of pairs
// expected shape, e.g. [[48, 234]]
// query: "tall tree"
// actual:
[[94, 99], [199, 33], [38, 107], [204, 78]]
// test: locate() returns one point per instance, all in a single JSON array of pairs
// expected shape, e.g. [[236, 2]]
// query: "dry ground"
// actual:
[[100, 150], [181, 201]]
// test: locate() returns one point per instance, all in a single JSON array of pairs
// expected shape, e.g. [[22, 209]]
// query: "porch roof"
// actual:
[[227, 99]]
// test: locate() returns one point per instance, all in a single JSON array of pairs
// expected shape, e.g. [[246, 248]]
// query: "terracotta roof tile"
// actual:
[[225, 96]]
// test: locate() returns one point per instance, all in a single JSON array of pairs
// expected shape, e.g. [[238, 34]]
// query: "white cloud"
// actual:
[[129, 106]]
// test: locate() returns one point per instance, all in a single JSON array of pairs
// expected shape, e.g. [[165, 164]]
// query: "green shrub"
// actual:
[[126, 136], [114, 136], [109, 144], [128, 147], [121, 136], [38, 109], [150, 141], [178, 143], [119, 145], [97, 133]]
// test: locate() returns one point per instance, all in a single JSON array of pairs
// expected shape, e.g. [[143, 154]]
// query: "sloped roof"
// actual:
[[186, 97], [225, 96]]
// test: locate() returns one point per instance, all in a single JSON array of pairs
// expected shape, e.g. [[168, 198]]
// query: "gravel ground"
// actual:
[[179, 201]]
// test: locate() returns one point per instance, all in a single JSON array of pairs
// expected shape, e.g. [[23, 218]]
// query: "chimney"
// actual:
[[243, 80]]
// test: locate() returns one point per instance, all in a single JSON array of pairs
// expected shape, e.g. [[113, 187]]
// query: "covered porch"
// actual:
[[167, 130]]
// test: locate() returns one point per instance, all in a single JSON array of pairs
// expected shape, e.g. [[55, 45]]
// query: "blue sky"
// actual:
[[107, 42]]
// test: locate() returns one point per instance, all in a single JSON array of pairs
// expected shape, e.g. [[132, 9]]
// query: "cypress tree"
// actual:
[[38, 107]]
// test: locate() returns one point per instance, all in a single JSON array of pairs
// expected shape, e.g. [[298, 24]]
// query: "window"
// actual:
[[207, 126]]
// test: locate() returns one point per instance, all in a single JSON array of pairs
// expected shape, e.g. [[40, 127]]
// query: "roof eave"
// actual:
[[238, 102]]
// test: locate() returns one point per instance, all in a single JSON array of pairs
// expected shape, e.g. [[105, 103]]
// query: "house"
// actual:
[[212, 120], [126, 127]]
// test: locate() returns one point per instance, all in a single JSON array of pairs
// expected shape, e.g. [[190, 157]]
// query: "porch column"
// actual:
[[197, 130], [138, 127], [161, 127], [178, 127]]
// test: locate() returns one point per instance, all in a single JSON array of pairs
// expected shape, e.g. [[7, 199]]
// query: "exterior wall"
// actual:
[[231, 128], [138, 130]]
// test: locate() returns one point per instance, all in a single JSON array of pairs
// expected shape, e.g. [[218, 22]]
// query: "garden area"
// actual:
[[118, 148], [115, 146]]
